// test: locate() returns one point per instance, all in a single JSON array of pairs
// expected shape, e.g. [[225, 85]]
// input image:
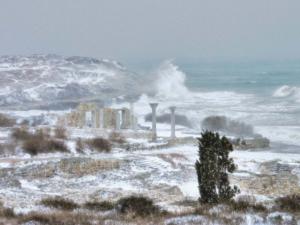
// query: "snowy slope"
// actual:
[[46, 79]]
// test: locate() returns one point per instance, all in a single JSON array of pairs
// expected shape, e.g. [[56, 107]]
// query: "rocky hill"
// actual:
[[55, 81]]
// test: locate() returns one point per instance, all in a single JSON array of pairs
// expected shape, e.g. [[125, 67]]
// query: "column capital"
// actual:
[[153, 105], [172, 108]]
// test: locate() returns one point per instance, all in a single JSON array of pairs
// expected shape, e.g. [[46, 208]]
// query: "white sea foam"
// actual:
[[171, 82], [170, 89], [288, 91], [262, 112], [283, 134]]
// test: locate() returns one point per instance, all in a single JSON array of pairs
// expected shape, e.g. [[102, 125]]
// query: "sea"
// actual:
[[265, 95]]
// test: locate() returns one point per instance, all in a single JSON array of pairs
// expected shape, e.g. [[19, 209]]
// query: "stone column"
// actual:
[[172, 109], [123, 115], [101, 118], [132, 117], [153, 107], [88, 119], [118, 120], [94, 121]]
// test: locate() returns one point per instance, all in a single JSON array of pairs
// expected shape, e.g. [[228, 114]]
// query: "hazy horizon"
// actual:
[[138, 31]]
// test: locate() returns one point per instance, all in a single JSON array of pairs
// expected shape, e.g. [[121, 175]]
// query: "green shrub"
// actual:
[[60, 203], [139, 206], [213, 167], [99, 144], [289, 203]]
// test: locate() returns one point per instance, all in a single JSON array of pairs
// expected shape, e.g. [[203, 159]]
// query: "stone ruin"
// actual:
[[90, 115], [93, 116]]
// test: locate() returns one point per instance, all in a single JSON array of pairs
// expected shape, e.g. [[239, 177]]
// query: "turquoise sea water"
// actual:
[[265, 95], [259, 78]]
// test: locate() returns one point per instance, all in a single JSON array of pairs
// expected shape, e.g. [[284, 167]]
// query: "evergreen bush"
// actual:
[[213, 167]]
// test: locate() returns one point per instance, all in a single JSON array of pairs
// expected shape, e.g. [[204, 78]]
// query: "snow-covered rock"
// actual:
[[55, 80]]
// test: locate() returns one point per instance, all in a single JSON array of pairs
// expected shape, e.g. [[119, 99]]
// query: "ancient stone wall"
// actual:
[[90, 115], [109, 118]]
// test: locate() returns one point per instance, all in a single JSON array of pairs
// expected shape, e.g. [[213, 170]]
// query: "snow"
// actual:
[[145, 172], [185, 220], [4, 133], [285, 216], [5, 165], [190, 189], [27, 185], [282, 134], [261, 156]]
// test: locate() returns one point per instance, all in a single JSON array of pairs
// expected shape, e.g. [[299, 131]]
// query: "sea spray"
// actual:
[[287, 91], [171, 82]]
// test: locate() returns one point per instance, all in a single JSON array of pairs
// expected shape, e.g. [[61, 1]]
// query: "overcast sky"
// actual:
[[141, 30]]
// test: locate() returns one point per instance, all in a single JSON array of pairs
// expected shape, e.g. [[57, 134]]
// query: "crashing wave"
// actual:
[[170, 82], [227, 125], [286, 91]]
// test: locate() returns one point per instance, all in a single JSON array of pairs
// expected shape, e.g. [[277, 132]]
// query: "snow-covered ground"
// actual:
[[165, 174]]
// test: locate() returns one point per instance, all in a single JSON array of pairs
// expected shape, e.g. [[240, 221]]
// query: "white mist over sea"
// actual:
[[266, 96]]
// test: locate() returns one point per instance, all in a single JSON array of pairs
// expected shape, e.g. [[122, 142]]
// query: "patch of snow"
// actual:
[[284, 216], [191, 219], [27, 185], [5, 165], [190, 189]]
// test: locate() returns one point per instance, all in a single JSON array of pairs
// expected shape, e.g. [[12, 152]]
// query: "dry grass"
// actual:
[[290, 203], [242, 204], [136, 210], [39, 141], [231, 212], [81, 167], [80, 145], [6, 212], [99, 144], [99, 206], [60, 203], [218, 214], [138, 206], [35, 145], [116, 137], [7, 148], [21, 133], [60, 133], [61, 218], [85, 218], [6, 121], [245, 206], [188, 203]]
